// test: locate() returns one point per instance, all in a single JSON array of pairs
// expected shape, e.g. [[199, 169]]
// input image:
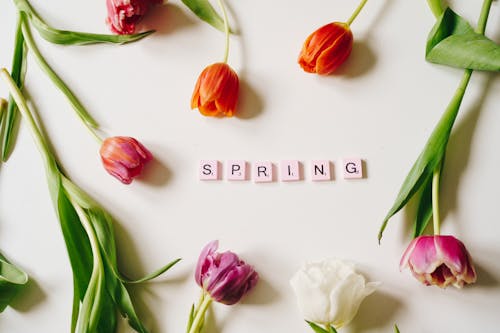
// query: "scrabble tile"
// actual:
[[320, 171], [236, 170], [209, 170], [352, 168], [262, 172], [290, 171]]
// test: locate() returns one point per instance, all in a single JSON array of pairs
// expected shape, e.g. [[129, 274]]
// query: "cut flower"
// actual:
[[329, 292], [123, 15], [223, 277], [216, 91], [124, 157], [440, 261], [326, 48]]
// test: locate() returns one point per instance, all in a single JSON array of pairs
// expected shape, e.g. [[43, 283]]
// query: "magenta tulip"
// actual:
[[224, 276], [440, 261]]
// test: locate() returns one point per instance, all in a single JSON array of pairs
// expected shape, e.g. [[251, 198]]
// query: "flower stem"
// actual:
[[483, 17], [356, 12], [436, 7], [200, 314], [435, 199], [18, 97], [226, 29], [86, 119], [3, 106]]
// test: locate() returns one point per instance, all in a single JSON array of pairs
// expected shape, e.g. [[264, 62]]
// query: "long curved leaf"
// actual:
[[431, 156], [424, 211], [453, 42], [12, 280], [18, 72], [66, 37], [204, 10]]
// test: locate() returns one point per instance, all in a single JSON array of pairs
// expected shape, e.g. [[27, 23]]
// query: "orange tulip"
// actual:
[[326, 48], [216, 91]]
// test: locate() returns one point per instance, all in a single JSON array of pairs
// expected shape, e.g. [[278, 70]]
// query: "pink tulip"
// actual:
[[124, 157], [439, 260], [224, 276], [123, 15]]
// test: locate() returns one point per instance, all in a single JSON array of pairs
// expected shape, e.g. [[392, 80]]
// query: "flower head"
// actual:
[[124, 157], [439, 260], [216, 91], [123, 15], [224, 276], [326, 48], [329, 292]]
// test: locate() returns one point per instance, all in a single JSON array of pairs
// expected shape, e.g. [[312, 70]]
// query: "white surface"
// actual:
[[381, 107]]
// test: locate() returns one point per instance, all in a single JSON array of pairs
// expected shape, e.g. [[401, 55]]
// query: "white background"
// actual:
[[380, 106]]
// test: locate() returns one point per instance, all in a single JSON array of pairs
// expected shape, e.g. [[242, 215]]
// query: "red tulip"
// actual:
[[124, 157], [326, 48], [216, 91], [123, 15], [439, 260]]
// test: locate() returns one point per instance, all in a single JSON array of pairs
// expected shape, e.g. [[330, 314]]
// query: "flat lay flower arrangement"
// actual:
[[329, 289]]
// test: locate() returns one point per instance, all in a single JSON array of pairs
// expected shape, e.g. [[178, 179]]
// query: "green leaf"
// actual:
[[396, 329], [431, 156], [332, 329], [453, 42], [424, 212], [204, 10], [316, 328], [190, 319], [72, 37], [18, 72], [75, 103], [12, 280]]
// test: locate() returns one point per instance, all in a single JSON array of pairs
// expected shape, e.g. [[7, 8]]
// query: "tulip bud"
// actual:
[[123, 15], [440, 261], [224, 276], [216, 91], [124, 157], [326, 48]]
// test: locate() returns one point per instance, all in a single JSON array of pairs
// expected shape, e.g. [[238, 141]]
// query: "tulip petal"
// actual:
[[203, 263]]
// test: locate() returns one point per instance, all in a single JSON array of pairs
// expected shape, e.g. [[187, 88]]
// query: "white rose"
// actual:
[[329, 292]]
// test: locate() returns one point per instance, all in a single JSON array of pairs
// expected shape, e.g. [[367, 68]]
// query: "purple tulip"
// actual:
[[439, 260], [224, 276]]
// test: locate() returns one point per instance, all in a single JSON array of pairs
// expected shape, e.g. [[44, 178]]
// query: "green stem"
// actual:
[[39, 139], [91, 306], [435, 199], [87, 120], [226, 29], [436, 7], [483, 17], [200, 314], [356, 12], [3, 106]]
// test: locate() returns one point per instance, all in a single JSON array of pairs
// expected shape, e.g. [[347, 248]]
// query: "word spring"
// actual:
[[288, 170]]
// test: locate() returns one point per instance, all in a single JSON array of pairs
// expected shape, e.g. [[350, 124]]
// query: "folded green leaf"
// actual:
[[332, 329], [453, 42], [396, 329], [424, 211], [316, 328], [431, 156], [72, 37], [12, 280], [18, 72], [204, 10]]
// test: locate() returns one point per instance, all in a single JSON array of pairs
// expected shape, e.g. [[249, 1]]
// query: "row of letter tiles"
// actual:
[[289, 170]]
